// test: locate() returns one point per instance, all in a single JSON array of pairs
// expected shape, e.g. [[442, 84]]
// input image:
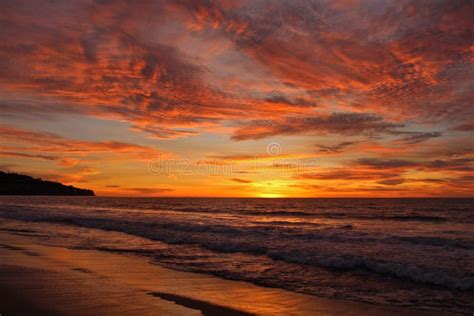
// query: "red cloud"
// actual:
[[52, 143]]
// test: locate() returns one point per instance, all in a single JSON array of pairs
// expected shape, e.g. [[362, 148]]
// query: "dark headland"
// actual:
[[18, 184]]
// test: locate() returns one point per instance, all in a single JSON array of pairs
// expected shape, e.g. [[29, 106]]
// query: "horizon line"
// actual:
[[292, 197]]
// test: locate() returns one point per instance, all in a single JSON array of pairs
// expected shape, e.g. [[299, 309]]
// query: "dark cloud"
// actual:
[[418, 137], [232, 157], [393, 181], [336, 123], [459, 164], [377, 163], [25, 155], [283, 99], [453, 164], [429, 180], [334, 149], [346, 174], [391, 172], [465, 127], [241, 180]]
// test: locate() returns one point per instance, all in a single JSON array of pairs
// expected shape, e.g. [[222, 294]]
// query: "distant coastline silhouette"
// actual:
[[18, 184]]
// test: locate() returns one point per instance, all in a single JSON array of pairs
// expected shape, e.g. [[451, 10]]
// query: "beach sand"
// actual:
[[44, 280]]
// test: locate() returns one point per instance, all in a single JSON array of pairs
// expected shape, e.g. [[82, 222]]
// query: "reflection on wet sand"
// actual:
[[83, 282]]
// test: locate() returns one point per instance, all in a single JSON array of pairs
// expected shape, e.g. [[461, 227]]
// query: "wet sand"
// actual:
[[44, 280]]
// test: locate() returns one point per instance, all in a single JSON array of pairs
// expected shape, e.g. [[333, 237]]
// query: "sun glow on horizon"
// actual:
[[270, 195]]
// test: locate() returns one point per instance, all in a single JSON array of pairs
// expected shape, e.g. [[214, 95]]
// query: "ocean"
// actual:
[[416, 253]]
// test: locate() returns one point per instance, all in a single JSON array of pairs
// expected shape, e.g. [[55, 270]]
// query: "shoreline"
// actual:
[[50, 280]]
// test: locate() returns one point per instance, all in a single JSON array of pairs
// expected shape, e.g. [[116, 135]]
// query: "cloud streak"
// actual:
[[336, 123], [31, 144]]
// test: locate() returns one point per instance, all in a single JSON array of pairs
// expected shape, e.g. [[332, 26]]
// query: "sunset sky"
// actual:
[[293, 98]]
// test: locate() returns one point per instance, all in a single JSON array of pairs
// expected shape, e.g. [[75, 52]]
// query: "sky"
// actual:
[[244, 98]]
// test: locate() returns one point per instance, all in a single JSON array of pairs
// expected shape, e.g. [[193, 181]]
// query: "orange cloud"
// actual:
[[35, 145]]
